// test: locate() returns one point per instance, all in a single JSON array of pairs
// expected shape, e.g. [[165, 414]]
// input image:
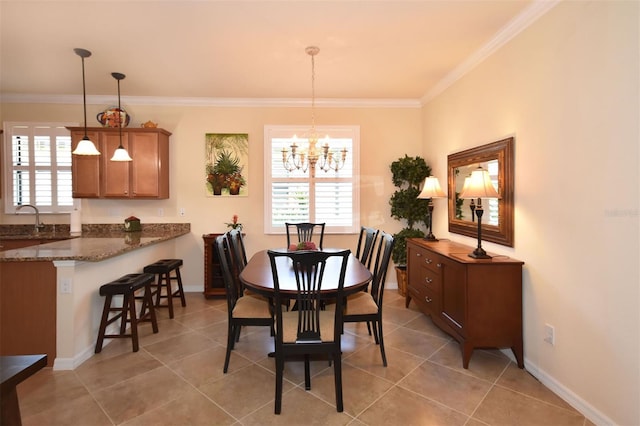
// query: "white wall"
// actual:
[[567, 89]]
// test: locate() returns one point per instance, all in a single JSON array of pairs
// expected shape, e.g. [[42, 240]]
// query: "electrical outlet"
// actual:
[[549, 334], [182, 212], [65, 285], [160, 212]]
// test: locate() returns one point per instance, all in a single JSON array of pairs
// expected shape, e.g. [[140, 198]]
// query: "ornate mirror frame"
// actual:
[[502, 151]]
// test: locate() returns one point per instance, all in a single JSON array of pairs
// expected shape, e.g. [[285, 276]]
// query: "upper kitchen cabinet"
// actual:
[[147, 176]]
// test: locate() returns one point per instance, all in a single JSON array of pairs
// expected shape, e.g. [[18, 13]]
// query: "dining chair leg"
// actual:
[[230, 344], [337, 372], [307, 373], [369, 327], [375, 331], [379, 333], [279, 374]]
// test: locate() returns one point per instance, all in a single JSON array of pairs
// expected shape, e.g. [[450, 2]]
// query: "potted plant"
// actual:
[[235, 182], [220, 174], [215, 180], [408, 173]]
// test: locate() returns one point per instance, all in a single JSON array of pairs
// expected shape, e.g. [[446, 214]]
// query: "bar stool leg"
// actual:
[[180, 290], [103, 323], [167, 279], [130, 303], [147, 301], [124, 314]]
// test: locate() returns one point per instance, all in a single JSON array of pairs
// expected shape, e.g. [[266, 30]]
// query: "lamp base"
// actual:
[[430, 237], [479, 253]]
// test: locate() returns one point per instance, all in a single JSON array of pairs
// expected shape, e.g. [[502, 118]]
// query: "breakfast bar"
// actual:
[[49, 301]]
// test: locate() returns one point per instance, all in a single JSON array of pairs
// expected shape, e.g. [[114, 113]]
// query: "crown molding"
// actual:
[[509, 31], [213, 102]]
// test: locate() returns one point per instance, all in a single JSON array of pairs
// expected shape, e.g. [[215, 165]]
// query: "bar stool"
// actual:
[[163, 269], [126, 286]]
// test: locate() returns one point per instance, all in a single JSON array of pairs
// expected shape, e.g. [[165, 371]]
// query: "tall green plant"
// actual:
[[226, 163], [407, 175]]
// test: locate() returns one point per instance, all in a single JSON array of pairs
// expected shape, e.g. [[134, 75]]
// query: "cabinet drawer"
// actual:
[[429, 260], [424, 298], [430, 279]]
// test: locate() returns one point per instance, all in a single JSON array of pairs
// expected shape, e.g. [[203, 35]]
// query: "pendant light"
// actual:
[[120, 154], [324, 158], [85, 146]]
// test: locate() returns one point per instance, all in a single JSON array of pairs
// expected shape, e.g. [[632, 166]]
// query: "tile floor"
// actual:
[[176, 379]]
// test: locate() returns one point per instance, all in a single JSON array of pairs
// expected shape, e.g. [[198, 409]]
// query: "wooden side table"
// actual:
[[14, 370], [213, 282]]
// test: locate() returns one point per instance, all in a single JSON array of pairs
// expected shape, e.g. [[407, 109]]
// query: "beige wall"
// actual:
[[385, 135], [567, 89]]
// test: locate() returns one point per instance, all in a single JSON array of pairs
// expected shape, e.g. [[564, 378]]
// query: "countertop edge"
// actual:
[[80, 248]]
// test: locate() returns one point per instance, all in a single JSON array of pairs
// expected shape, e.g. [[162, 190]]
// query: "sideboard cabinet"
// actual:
[[146, 177], [477, 301], [213, 281]]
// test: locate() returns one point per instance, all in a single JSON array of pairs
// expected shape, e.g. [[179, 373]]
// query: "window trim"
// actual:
[[287, 131], [7, 155]]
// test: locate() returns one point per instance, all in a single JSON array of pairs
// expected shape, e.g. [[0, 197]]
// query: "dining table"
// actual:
[[15, 369], [257, 275]]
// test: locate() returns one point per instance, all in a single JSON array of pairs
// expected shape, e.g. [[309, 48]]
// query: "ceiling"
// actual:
[[244, 49]]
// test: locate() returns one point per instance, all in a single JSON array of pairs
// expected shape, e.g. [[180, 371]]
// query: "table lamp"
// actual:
[[430, 190], [479, 186]]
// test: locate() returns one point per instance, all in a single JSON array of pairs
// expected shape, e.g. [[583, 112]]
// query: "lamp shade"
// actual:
[[121, 154], [431, 188], [479, 185], [86, 147]]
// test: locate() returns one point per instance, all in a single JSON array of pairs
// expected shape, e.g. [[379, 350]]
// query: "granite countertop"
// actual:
[[27, 232], [95, 243]]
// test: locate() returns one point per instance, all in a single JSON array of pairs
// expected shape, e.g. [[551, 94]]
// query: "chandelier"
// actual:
[[323, 157]]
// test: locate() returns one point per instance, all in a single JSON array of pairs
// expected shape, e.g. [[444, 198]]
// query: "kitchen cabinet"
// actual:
[[85, 169], [146, 177], [477, 301]]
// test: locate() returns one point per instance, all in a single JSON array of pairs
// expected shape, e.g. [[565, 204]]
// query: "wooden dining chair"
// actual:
[[238, 255], [367, 306], [242, 310], [305, 232], [309, 330], [366, 245]]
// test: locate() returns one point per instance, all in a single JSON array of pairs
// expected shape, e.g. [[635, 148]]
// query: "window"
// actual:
[[37, 161], [331, 197], [492, 218]]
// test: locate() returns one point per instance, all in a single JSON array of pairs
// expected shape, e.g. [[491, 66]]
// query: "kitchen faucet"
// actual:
[[39, 225]]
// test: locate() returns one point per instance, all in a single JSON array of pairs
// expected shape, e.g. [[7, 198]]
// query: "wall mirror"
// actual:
[[497, 222]]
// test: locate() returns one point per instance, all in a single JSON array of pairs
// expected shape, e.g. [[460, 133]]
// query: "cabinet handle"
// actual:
[[428, 280], [418, 254], [439, 265], [429, 261], [428, 299]]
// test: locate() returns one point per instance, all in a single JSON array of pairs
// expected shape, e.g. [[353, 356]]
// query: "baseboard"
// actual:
[[586, 409], [73, 363]]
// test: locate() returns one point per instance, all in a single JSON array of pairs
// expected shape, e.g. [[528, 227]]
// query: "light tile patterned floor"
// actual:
[[176, 379]]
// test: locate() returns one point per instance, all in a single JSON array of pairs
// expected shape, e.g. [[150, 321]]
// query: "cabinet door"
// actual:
[[213, 281], [85, 169], [115, 173], [145, 167], [454, 294]]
